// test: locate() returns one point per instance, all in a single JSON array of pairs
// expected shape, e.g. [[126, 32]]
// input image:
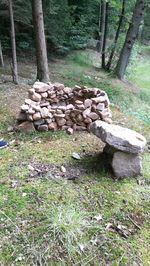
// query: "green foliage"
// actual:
[[146, 26]]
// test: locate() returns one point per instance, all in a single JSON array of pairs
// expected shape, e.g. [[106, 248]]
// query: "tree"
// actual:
[[116, 36], [41, 51], [1, 56], [102, 17], [106, 5], [130, 38], [13, 43]]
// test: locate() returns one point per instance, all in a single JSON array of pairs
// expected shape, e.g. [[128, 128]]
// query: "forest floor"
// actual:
[[82, 217]]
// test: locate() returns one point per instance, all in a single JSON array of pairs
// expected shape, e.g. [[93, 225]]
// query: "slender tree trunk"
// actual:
[[1, 56], [130, 38], [99, 43], [13, 44], [105, 23], [41, 52], [116, 36]]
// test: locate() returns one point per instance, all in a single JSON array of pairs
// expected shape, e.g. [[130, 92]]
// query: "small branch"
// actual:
[[136, 225]]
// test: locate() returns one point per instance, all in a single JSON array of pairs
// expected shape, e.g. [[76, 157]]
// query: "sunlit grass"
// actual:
[[45, 221]]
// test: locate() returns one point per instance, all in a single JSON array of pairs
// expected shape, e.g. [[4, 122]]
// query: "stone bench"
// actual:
[[123, 147]]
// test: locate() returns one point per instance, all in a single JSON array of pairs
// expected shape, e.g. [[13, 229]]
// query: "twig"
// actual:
[[136, 225]]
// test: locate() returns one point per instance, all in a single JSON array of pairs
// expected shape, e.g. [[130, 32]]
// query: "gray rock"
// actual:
[[26, 127], [41, 87], [76, 156], [43, 128], [126, 164], [25, 107], [21, 117], [93, 116], [122, 139], [37, 116], [70, 131], [39, 122]]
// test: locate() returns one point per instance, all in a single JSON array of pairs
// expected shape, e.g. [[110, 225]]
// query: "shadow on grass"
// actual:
[[94, 165]]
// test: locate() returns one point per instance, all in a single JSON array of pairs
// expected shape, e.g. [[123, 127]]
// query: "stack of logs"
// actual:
[[54, 106]]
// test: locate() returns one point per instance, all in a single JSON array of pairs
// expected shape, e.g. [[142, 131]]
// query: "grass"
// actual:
[[49, 220]]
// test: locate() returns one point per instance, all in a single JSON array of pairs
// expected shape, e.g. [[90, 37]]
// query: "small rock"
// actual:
[[80, 106], [67, 90], [100, 106], [53, 126], [31, 111], [29, 117], [63, 169], [41, 87], [39, 122], [44, 112], [44, 95], [61, 122], [37, 116], [76, 156], [78, 102], [87, 120], [70, 131], [87, 103], [93, 116], [10, 129], [58, 86], [25, 107], [99, 99], [26, 127], [21, 117], [86, 112], [79, 118], [43, 128], [57, 116], [34, 96], [70, 107], [69, 123]]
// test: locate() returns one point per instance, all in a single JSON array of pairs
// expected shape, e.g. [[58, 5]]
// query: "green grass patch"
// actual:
[[46, 220]]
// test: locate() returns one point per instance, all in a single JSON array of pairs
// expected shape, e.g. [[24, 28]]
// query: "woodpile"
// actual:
[[54, 107]]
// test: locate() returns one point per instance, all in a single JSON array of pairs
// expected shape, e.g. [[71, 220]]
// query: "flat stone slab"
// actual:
[[120, 138]]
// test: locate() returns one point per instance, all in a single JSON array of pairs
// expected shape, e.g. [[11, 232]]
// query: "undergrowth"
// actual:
[[46, 219]]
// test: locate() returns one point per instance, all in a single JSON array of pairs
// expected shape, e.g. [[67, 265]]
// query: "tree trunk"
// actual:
[[1, 56], [130, 38], [116, 36], [105, 23], [41, 52], [13, 44], [101, 26]]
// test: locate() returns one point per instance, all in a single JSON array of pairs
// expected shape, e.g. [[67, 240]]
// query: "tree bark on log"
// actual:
[[130, 38], [41, 51], [13, 44]]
